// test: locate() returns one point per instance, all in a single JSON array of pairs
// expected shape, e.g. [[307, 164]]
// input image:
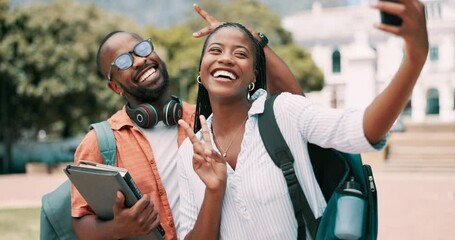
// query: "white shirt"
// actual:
[[256, 204], [165, 156]]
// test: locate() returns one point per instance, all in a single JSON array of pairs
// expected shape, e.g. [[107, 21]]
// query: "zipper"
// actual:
[[372, 186], [370, 177], [372, 217]]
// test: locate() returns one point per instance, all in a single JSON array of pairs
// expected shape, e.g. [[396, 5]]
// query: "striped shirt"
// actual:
[[256, 204]]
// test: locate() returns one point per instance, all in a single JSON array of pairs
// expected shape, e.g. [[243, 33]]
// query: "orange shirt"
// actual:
[[133, 153]]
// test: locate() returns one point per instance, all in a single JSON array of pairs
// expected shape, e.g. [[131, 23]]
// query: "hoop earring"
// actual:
[[251, 86], [198, 79]]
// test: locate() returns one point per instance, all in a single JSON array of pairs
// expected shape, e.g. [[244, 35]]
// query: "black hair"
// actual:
[[203, 106], [103, 41]]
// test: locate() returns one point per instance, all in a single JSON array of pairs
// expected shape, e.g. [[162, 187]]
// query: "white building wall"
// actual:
[[362, 77], [360, 72]]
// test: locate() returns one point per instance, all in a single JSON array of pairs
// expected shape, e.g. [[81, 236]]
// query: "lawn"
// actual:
[[19, 223]]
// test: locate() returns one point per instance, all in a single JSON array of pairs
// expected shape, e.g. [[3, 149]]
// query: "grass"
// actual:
[[19, 223]]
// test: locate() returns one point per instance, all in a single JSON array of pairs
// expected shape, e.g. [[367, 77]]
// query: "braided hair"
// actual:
[[203, 106]]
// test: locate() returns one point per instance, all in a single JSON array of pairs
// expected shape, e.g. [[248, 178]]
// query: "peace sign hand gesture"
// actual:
[[209, 19], [207, 163]]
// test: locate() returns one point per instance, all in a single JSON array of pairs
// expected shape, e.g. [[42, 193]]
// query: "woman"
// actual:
[[230, 188]]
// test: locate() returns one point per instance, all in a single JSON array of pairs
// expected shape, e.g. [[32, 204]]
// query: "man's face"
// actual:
[[147, 78]]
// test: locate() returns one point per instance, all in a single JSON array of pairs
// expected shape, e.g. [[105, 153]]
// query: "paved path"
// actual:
[[416, 206], [411, 205], [20, 190]]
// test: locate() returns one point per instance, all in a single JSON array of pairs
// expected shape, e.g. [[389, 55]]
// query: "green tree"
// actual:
[[256, 15], [48, 57], [48, 69], [183, 52]]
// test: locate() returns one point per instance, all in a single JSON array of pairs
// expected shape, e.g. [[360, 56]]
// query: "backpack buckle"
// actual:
[[289, 173]]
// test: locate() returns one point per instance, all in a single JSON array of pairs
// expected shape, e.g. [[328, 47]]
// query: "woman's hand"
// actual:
[[385, 109], [207, 163], [413, 29]]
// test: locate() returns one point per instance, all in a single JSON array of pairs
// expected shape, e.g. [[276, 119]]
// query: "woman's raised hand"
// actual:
[[208, 164], [413, 30]]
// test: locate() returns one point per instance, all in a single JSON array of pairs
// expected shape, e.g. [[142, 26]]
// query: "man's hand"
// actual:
[[139, 220], [209, 19]]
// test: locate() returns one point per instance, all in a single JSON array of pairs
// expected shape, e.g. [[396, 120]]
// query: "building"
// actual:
[[358, 60]]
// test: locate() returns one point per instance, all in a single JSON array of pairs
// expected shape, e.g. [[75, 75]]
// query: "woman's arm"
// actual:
[[386, 107], [211, 169]]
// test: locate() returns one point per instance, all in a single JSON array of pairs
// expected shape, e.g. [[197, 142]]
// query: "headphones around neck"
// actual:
[[146, 116]]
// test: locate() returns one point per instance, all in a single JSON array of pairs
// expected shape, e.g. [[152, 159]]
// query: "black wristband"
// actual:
[[263, 39]]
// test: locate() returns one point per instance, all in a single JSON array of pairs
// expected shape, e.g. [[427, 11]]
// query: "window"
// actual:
[[433, 10], [336, 62], [432, 101], [453, 107], [434, 53], [407, 111]]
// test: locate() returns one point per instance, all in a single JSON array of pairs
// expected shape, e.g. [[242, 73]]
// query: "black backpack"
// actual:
[[332, 169]]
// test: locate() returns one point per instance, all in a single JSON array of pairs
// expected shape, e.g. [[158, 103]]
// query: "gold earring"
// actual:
[[198, 79], [251, 86]]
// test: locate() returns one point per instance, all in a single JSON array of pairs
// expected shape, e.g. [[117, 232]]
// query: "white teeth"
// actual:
[[147, 74], [224, 73]]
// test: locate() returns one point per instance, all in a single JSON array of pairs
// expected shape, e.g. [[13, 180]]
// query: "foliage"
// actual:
[[309, 76], [48, 71], [181, 52], [250, 13], [48, 65]]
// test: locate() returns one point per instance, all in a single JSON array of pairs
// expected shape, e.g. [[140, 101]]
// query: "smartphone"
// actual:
[[390, 19]]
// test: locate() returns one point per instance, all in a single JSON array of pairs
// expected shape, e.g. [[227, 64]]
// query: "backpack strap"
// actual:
[[56, 221], [106, 141], [282, 157]]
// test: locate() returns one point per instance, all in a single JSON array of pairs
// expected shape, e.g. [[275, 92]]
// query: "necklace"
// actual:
[[224, 152]]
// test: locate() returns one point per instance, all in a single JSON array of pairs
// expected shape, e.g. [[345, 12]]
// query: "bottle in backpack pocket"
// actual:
[[350, 209]]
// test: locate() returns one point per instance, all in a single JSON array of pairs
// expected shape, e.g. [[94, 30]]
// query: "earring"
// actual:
[[198, 79], [251, 86]]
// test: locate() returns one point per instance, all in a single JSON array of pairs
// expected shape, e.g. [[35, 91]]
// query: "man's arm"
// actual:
[[279, 76], [139, 220]]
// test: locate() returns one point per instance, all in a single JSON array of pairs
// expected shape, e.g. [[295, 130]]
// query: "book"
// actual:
[[99, 183]]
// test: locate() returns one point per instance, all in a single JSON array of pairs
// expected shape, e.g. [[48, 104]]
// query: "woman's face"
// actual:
[[227, 67]]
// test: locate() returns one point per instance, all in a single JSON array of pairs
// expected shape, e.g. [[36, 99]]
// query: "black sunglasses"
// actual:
[[126, 60]]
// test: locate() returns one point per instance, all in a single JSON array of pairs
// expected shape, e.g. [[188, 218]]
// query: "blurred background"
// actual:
[[51, 92]]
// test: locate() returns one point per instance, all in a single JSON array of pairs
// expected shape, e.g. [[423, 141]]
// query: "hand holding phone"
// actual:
[[390, 19]]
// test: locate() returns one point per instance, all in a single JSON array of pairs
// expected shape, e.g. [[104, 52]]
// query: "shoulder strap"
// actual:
[[106, 141], [56, 221], [281, 155]]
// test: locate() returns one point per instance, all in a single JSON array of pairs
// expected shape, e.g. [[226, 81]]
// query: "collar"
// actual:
[[258, 100], [257, 107], [121, 119]]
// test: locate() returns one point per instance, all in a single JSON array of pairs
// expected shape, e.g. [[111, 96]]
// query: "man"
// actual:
[[147, 135]]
